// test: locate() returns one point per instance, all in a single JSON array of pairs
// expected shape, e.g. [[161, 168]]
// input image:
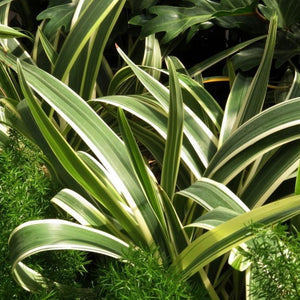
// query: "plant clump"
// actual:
[[275, 268], [25, 191], [141, 277]]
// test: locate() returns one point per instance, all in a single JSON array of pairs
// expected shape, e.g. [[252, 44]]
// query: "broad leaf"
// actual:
[[288, 12], [59, 16], [173, 20]]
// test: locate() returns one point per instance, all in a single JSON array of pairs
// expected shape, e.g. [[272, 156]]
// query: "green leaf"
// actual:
[[254, 100], [7, 32], [259, 135], [152, 56], [99, 137], [230, 234], [119, 80], [5, 2], [211, 194], [198, 134], [45, 235], [287, 11], [36, 283], [233, 107], [8, 85], [214, 218], [13, 46], [177, 236], [94, 56], [171, 20], [48, 48], [158, 90], [59, 16], [294, 91], [201, 96], [212, 60], [274, 172], [174, 20], [87, 24], [79, 208], [146, 178], [74, 165], [172, 151]]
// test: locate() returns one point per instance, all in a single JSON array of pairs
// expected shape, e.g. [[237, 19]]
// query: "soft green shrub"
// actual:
[[24, 195], [275, 268], [142, 277]]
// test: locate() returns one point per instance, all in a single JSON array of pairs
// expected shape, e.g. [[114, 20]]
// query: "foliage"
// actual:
[[174, 20], [143, 277], [25, 192], [247, 18], [217, 170], [275, 266]]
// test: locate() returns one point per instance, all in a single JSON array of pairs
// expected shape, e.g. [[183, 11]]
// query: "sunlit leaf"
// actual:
[[230, 234]]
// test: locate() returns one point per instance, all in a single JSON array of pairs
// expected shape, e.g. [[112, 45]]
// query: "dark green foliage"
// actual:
[[142, 277], [275, 256], [25, 191]]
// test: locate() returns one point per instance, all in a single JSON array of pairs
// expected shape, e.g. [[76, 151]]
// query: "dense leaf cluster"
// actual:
[[147, 156], [275, 257], [25, 190]]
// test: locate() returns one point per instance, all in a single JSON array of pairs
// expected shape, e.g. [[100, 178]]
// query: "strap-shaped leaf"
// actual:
[[148, 110], [7, 32], [199, 135], [54, 234], [294, 91], [82, 118], [86, 25], [156, 145], [230, 234], [33, 281], [214, 218], [233, 105], [48, 48], [94, 56], [259, 135], [173, 146], [212, 60], [144, 175], [211, 194], [99, 137], [274, 172], [201, 96], [254, 100], [152, 55], [74, 165]]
